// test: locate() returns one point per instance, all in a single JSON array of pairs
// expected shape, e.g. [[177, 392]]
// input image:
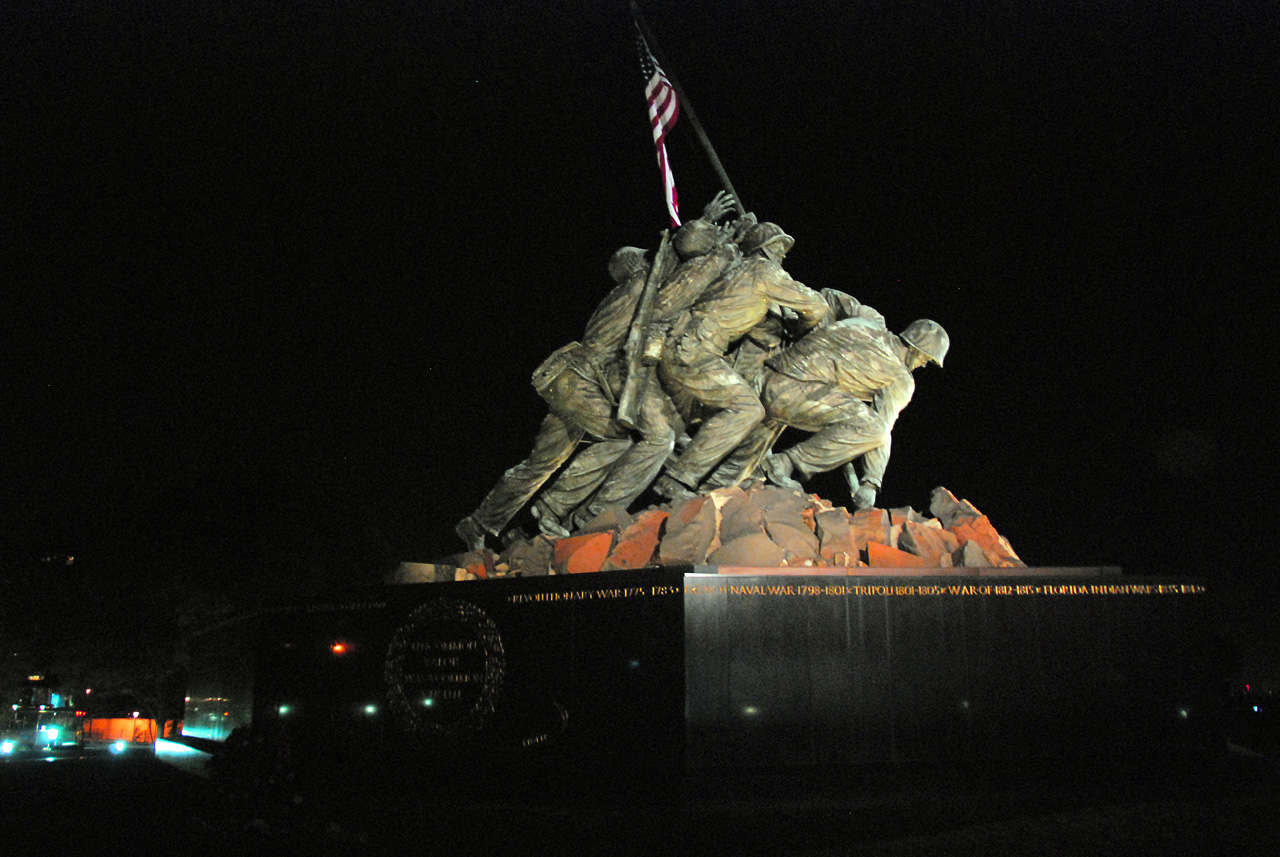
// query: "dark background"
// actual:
[[278, 272]]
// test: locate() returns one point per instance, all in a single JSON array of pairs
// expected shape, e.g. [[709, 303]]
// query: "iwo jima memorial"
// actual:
[[685, 604]]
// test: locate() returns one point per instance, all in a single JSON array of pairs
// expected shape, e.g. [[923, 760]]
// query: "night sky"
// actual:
[[308, 253]]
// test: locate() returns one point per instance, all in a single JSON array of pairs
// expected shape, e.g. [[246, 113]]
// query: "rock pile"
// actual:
[[760, 527]]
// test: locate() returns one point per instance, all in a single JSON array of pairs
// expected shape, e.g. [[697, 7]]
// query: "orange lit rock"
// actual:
[[564, 548], [585, 553], [834, 535], [944, 506], [740, 517], [995, 546], [760, 526], [820, 504], [692, 533], [932, 544], [637, 543], [683, 514], [903, 514], [807, 515], [753, 549], [778, 504], [970, 555], [798, 541], [531, 558], [731, 495], [882, 556], [870, 525], [479, 563]]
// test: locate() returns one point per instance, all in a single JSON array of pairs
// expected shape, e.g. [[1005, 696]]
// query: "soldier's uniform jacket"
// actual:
[[740, 300], [599, 356], [856, 355], [685, 287], [605, 338]]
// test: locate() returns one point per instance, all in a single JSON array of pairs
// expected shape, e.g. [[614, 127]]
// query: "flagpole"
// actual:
[[686, 107]]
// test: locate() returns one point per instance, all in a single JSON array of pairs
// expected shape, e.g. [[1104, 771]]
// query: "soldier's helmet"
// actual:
[[929, 337], [768, 236], [625, 263], [696, 238]]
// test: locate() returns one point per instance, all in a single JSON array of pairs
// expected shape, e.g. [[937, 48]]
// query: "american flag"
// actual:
[[664, 110]]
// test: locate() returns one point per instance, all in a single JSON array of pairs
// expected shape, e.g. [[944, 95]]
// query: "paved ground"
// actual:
[[99, 804], [1240, 825]]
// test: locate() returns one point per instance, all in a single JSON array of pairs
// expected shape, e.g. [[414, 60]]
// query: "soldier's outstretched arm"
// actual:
[[787, 293], [874, 464], [888, 403], [844, 305]]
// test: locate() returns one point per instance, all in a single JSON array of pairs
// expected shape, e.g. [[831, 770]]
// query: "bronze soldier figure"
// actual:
[[846, 382], [578, 383], [696, 369], [761, 344], [596, 479], [581, 384]]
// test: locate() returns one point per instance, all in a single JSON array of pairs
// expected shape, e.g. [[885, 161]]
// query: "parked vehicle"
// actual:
[[40, 721], [40, 729]]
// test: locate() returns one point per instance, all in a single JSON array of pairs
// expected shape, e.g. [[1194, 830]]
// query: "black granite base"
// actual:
[[746, 668]]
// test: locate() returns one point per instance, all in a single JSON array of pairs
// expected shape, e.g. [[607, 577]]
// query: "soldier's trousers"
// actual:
[[710, 380], [613, 473], [844, 428], [578, 408]]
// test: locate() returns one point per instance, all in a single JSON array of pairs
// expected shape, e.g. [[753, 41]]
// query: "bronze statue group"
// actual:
[[689, 370]]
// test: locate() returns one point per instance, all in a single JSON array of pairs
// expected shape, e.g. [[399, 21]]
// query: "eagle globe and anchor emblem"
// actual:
[[444, 669]]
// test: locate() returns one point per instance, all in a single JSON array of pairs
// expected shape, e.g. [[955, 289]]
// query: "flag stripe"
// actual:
[[669, 185], [664, 110]]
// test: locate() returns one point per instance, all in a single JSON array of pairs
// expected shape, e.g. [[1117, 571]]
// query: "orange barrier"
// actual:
[[135, 730]]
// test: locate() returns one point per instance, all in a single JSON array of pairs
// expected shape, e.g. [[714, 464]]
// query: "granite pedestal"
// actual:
[[705, 668]]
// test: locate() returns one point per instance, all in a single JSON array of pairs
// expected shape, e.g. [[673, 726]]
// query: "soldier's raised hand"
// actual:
[[719, 206]]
